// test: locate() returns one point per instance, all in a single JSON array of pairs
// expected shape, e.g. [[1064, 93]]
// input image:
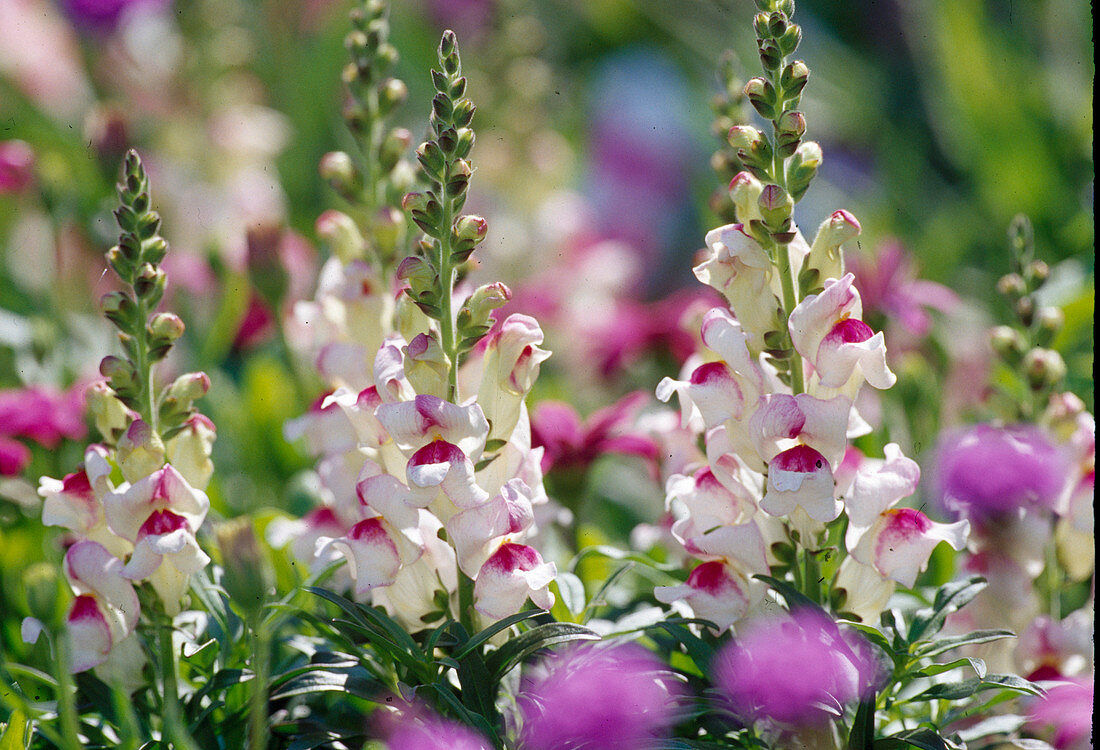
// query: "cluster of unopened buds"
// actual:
[[135, 505]]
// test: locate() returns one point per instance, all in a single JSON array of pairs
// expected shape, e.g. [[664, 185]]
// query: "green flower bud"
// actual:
[[1050, 321], [745, 191], [166, 326], [140, 451], [338, 170], [1044, 368], [775, 208], [1036, 272], [803, 167], [121, 374], [1008, 343], [793, 79], [1012, 285], [420, 275], [149, 283], [342, 235], [394, 146], [265, 266], [46, 594], [1025, 310], [189, 387], [431, 158], [120, 309], [247, 577], [110, 415], [391, 94], [761, 95]]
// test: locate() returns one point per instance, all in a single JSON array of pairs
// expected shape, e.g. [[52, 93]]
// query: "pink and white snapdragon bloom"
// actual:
[[431, 467]]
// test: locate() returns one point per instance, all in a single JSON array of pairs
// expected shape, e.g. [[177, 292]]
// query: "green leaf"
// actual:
[[1003, 724], [926, 739], [967, 688], [940, 645], [795, 599], [495, 628], [17, 733], [699, 650], [875, 636], [949, 598], [862, 734], [571, 589], [977, 665], [501, 661]]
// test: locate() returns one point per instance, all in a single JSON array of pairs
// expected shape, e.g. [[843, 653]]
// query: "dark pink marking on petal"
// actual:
[[161, 522], [709, 373], [710, 578], [370, 530], [849, 331], [906, 523], [801, 458], [77, 484], [437, 452], [84, 607], [510, 557]]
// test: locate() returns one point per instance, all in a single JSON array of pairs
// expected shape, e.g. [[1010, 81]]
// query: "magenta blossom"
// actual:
[[43, 415], [1067, 707], [14, 457], [419, 729], [888, 285], [104, 16], [795, 671], [599, 698], [985, 471], [16, 166], [571, 444]]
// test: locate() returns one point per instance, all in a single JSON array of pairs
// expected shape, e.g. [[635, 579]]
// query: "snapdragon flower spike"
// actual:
[[105, 610], [896, 542], [843, 350], [160, 514]]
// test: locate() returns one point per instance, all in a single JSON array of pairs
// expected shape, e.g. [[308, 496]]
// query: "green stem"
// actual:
[[790, 300], [172, 726], [812, 575], [258, 730], [144, 366], [466, 602], [66, 705], [447, 330]]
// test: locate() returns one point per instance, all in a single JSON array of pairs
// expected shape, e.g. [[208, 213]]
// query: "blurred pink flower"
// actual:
[[14, 457], [419, 729], [791, 670], [16, 166], [888, 285], [986, 471], [571, 444], [597, 698], [43, 415], [104, 16], [1067, 707]]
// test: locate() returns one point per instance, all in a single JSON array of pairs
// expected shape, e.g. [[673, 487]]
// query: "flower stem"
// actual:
[[173, 726], [447, 332], [261, 643], [66, 705], [790, 300]]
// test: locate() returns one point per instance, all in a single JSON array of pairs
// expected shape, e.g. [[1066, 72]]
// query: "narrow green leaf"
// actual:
[[17, 733], [941, 645], [967, 688], [699, 650], [862, 734], [571, 589], [501, 661], [795, 599], [495, 628], [933, 669], [949, 598]]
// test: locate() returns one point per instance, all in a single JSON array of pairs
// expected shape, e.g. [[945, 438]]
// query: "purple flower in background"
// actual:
[[888, 285], [104, 16], [16, 166], [597, 698], [14, 457], [1067, 707], [419, 729], [796, 672], [571, 444], [985, 471], [43, 415]]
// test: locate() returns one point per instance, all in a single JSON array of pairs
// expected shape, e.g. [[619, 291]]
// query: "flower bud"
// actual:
[[743, 137], [149, 283], [775, 208], [1044, 368], [762, 96], [120, 372], [431, 158], [342, 235], [188, 387], [1007, 343], [140, 451], [825, 254], [427, 366], [119, 309], [46, 593], [419, 273], [1012, 285], [110, 415], [803, 167], [166, 326], [792, 123], [389, 228], [745, 192], [394, 146], [338, 170], [1036, 272], [247, 577], [793, 79], [1050, 320]]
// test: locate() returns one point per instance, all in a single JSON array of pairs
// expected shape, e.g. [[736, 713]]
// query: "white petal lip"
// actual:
[[782, 419], [439, 465], [473, 531], [900, 542], [88, 632], [512, 574], [715, 392], [372, 555], [715, 592], [802, 477], [877, 488], [814, 317]]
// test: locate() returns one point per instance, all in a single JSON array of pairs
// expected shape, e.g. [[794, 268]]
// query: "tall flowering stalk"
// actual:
[[775, 390], [448, 477], [142, 528]]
